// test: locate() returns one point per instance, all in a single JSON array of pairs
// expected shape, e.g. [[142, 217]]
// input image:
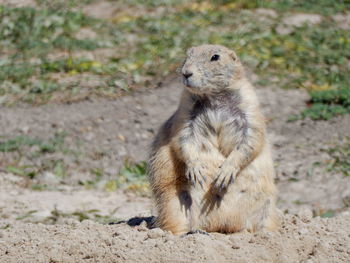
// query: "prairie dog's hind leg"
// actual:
[[173, 202]]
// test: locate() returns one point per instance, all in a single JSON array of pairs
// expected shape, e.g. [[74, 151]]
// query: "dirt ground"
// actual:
[[297, 146], [299, 240], [111, 132]]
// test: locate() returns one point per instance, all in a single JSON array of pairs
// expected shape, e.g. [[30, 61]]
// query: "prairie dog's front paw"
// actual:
[[225, 177], [195, 173]]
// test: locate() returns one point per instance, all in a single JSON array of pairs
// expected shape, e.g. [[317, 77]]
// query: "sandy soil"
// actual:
[[301, 239], [122, 129]]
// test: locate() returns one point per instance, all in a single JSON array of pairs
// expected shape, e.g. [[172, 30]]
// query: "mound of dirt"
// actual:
[[300, 239]]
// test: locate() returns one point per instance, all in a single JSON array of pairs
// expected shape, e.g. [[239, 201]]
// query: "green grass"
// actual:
[[327, 104], [28, 36], [33, 157], [312, 57], [44, 146], [134, 172], [27, 151], [340, 158], [80, 215], [37, 31], [132, 177], [147, 48], [26, 215], [70, 65], [325, 7]]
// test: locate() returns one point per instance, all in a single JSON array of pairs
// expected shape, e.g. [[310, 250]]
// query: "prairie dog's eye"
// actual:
[[215, 57]]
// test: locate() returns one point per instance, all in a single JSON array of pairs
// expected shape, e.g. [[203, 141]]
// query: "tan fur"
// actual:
[[210, 164]]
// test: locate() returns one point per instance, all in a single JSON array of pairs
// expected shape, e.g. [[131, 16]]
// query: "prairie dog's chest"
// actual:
[[219, 115]]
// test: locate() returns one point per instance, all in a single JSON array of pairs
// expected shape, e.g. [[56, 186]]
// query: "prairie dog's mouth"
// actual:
[[192, 88], [188, 83]]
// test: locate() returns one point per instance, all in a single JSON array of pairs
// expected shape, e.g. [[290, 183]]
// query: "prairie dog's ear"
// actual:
[[189, 51], [232, 55]]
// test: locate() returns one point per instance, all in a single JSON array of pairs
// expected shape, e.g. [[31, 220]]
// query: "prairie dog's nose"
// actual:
[[187, 74]]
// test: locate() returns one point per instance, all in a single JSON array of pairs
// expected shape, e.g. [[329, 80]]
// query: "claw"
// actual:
[[222, 182], [195, 175], [202, 179], [222, 185], [231, 179], [200, 173], [189, 175], [201, 183]]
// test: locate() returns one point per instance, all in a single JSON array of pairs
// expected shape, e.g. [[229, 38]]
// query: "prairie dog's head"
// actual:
[[210, 69]]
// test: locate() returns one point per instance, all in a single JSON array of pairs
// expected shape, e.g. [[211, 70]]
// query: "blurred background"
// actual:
[[84, 86]]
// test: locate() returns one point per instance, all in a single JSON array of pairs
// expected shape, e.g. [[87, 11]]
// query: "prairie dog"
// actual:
[[210, 164]]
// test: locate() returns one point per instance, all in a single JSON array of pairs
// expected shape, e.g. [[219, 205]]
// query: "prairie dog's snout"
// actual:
[[187, 74], [189, 79]]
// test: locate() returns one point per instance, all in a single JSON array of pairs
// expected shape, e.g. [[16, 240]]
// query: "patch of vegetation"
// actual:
[[26, 215], [325, 7], [63, 4], [134, 172], [132, 177], [298, 202], [314, 57], [31, 156], [327, 104], [37, 158], [29, 35], [328, 214], [340, 158], [37, 31], [152, 3], [71, 66], [150, 45], [80, 215], [16, 144]]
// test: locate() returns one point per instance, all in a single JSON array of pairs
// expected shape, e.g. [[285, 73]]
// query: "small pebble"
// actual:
[[155, 233], [305, 214], [142, 226], [303, 231]]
